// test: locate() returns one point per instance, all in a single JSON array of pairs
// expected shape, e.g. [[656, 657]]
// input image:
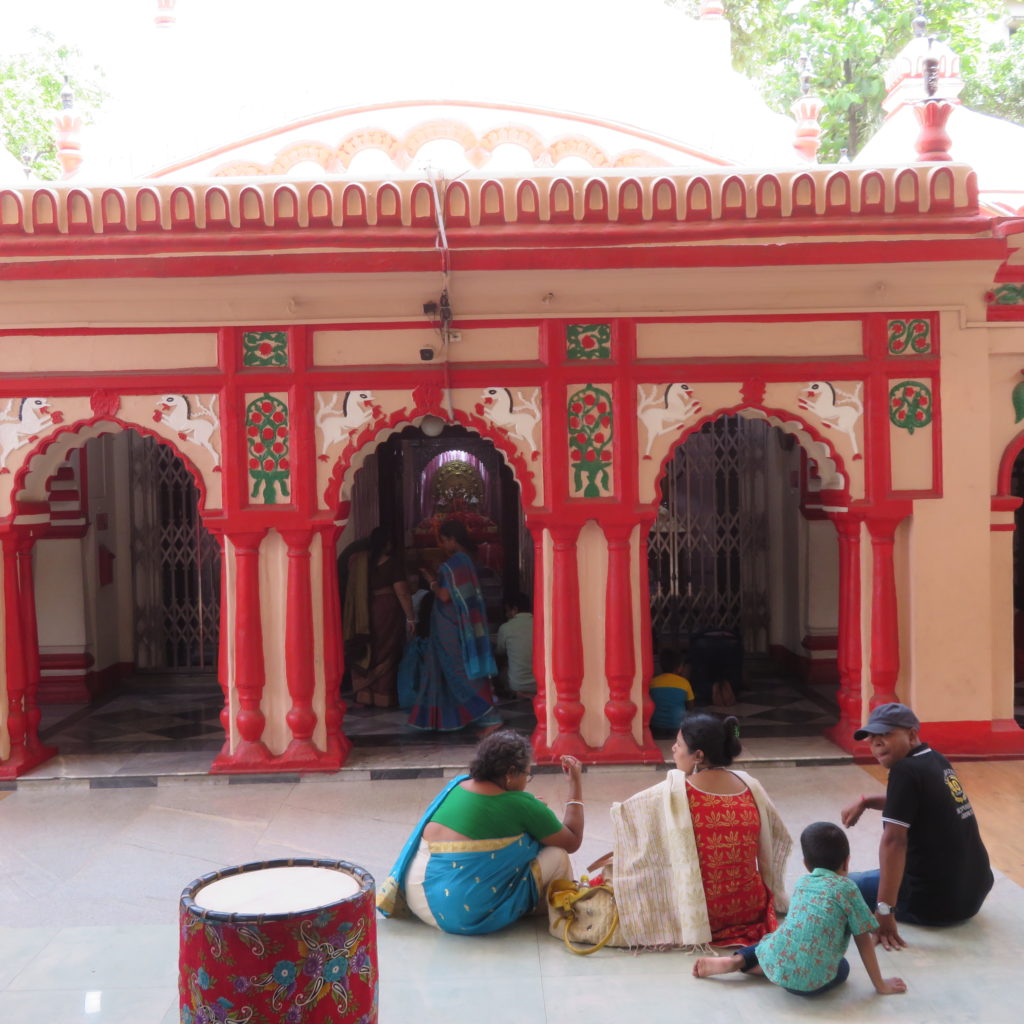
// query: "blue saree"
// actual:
[[472, 886], [452, 688]]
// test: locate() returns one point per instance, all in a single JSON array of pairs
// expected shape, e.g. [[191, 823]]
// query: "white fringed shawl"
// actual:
[[658, 887]]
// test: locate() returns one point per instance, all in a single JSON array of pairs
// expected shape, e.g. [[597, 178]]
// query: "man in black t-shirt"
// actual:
[[933, 866]]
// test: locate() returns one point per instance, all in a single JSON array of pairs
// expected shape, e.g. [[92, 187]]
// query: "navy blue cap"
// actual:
[[885, 718]]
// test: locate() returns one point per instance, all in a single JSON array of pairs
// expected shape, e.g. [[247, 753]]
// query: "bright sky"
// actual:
[[230, 68]]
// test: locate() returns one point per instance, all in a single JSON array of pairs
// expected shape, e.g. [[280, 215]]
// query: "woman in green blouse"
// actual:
[[485, 851]]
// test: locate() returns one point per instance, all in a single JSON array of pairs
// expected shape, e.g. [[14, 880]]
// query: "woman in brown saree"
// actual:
[[378, 610]]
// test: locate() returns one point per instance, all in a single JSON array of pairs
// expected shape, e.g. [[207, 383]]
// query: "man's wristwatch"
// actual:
[[883, 908]]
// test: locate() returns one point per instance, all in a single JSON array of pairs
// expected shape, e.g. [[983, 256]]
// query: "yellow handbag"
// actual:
[[584, 917]]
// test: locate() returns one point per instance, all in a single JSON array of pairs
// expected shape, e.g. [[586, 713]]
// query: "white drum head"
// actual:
[[284, 890]]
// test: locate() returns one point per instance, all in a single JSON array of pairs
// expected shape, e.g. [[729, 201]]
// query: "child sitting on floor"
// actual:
[[805, 955], [671, 692]]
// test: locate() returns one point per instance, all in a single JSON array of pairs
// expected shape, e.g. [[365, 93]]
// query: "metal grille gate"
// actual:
[[707, 552], [175, 565]]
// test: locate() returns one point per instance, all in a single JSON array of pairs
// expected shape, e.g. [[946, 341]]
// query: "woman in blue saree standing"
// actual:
[[454, 690], [485, 851]]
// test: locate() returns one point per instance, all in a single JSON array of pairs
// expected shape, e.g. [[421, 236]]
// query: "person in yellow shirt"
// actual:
[[671, 692]]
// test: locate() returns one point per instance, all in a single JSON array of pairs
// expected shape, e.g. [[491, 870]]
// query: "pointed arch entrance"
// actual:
[[744, 570], [116, 574], [410, 481]]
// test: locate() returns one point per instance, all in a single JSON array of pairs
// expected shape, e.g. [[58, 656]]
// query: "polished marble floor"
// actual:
[[90, 880]]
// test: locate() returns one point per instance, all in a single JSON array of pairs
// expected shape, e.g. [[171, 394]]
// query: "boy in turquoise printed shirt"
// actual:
[[805, 955]]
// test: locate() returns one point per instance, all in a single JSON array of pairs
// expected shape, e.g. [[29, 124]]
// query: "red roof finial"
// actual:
[[807, 109], [712, 9], [69, 124], [933, 141]]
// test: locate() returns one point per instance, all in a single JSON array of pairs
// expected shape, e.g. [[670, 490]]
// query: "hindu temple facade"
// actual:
[[271, 332]]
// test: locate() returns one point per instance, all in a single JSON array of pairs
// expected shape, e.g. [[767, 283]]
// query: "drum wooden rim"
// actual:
[[190, 906]]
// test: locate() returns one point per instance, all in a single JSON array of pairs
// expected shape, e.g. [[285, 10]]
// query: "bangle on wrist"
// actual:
[[569, 803]]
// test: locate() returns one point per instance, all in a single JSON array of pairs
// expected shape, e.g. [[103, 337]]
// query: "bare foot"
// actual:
[[706, 966]]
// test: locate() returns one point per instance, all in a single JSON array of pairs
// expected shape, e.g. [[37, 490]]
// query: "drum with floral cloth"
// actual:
[[279, 942]]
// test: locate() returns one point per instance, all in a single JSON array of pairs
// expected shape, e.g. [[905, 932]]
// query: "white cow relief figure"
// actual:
[[518, 418], [664, 409], [837, 410], [339, 423], [17, 430], [196, 425]]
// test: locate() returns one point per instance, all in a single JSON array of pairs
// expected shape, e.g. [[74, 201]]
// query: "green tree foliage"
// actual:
[[999, 88], [850, 43], [30, 86]]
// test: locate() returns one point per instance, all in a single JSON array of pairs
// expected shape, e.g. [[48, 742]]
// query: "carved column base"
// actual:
[[247, 756], [841, 734], [32, 757], [621, 748]]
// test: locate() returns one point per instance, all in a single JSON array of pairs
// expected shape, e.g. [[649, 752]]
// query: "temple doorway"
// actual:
[[409, 485], [128, 606], [743, 578]]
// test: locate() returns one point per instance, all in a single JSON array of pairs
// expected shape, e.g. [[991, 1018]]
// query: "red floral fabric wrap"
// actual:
[[296, 968]]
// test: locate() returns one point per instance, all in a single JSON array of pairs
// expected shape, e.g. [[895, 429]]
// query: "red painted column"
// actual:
[[848, 654], [539, 739], [30, 648], [250, 753], [17, 758], [338, 744], [566, 642], [223, 643], [646, 650], [619, 653], [885, 648], [298, 645]]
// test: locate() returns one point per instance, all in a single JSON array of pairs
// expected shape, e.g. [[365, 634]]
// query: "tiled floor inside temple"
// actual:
[[160, 725]]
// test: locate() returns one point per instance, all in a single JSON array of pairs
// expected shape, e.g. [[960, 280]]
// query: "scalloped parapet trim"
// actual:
[[477, 149], [915, 191]]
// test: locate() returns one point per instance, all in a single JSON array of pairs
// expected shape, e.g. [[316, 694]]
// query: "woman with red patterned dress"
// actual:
[[700, 858]]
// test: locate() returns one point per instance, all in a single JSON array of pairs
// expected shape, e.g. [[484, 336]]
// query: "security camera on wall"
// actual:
[[426, 354]]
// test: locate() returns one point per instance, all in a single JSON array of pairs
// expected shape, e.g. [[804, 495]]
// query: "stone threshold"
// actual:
[[140, 771]]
